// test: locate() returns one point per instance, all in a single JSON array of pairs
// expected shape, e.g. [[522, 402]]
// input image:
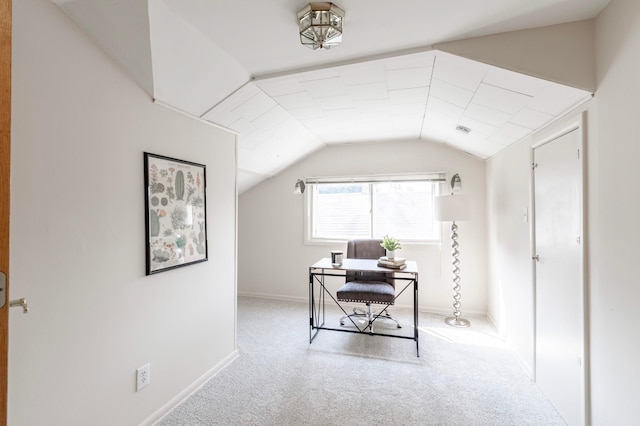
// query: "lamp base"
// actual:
[[457, 322]]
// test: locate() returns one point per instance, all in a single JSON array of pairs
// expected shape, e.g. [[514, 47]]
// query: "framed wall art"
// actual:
[[176, 213]]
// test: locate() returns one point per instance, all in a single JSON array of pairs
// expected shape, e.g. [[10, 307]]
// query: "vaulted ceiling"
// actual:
[[239, 64]]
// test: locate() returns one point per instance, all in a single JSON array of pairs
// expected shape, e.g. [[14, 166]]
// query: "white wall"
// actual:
[[510, 270], [80, 127], [561, 53], [613, 208], [511, 289], [273, 259]]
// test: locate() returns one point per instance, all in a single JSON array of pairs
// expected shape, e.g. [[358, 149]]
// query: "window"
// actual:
[[370, 208]]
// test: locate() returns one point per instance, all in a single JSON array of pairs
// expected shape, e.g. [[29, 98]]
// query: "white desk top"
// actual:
[[368, 265]]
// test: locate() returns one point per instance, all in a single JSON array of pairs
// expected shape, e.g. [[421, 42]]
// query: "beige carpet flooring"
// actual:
[[462, 377]]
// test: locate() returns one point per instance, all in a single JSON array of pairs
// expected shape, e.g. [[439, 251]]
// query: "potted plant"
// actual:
[[390, 244]]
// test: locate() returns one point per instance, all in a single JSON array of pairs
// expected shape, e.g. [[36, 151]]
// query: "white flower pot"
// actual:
[[391, 254]]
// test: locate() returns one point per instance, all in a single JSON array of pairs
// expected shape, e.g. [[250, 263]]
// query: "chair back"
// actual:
[[367, 249]]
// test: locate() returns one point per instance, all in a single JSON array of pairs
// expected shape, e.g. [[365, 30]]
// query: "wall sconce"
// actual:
[[299, 188], [456, 183]]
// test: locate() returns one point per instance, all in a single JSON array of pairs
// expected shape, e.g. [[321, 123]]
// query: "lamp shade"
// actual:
[[449, 208]]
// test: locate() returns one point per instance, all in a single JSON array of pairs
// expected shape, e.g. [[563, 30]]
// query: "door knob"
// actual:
[[20, 302]]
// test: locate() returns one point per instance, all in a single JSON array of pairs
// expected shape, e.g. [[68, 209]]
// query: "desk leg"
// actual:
[[316, 307], [311, 308], [415, 315]]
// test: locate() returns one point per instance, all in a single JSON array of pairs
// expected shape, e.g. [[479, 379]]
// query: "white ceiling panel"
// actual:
[[514, 81], [491, 147], [363, 73], [487, 115], [472, 140], [325, 87], [295, 100], [272, 118], [450, 93], [514, 131], [251, 141], [408, 78], [442, 108], [424, 95], [226, 112], [555, 98], [500, 99], [499, 140], [240, 107], [416, 95], [531, 119], [408, 109], [274, 155], [241, 125], [473, 147], [413, 60], [303, 114], [478, 126], [368, 91], [280, 86], [459, 72], [438, 126], [365, 106], [342, 101], [239, 97], [294, 131]]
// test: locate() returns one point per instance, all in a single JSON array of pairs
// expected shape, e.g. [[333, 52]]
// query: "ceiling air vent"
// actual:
[[463, 129]]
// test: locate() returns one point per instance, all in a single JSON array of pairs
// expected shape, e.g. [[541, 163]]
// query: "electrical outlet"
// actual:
[[143, 376]]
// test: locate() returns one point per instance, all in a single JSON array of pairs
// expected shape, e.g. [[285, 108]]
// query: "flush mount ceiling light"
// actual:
[[320, 25]]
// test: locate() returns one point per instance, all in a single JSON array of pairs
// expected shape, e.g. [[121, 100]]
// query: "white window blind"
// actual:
[[373, 206]]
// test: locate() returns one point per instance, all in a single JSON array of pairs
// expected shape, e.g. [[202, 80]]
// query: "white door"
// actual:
[[559, 278]]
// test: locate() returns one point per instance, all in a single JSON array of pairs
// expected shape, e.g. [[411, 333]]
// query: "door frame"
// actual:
[[580, 125], [5, 187]]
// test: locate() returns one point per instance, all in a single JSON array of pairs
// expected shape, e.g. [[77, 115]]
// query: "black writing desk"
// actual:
[[318, 291]]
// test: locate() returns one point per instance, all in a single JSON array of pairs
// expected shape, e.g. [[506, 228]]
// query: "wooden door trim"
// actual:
[[5, 179]]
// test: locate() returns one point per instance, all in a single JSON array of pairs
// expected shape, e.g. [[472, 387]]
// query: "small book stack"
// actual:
[[395, 263]]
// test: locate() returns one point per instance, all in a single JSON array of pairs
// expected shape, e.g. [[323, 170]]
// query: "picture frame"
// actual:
[[175, 213]]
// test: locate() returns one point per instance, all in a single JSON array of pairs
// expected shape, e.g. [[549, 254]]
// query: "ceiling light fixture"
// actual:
[[320, 25]]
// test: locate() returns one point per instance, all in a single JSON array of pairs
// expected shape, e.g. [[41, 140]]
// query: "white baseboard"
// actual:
[[525, 367], [189, 390], [274, 296]]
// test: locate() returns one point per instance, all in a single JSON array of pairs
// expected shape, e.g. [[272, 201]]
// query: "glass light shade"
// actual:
[[299, 188], [320, 25], [456, 183], [449, 208]]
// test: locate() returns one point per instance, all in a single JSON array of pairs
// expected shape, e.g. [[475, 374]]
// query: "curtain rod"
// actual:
[[414, 177]]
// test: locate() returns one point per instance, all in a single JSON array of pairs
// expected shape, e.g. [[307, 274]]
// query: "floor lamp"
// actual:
[[452, 208]]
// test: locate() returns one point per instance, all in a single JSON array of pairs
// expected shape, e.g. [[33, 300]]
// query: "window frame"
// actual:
[[436, 177]]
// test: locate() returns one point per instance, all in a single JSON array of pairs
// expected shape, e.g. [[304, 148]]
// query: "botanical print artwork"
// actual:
[[176, 225]]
